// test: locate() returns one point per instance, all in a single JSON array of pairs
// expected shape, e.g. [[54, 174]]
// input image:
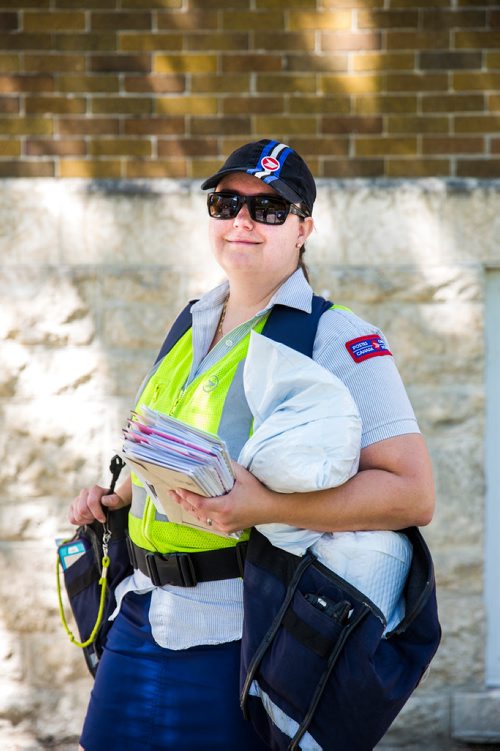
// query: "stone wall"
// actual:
[[91, 275]]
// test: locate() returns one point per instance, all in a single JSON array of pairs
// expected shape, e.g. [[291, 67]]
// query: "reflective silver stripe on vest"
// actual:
[[139, 495], [236, 420]]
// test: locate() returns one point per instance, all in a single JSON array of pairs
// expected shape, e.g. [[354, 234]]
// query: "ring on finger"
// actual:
[[209, 522]]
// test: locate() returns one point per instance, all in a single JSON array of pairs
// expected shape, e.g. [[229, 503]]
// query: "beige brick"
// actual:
[[159, 84], [24, 41], [98, 42], [197, 42], [319, 105], [121, 105], [321, 146], [369, 104], [9, 148], [437, 18], [346, 168], [54, 63], [216, 126], [93, 84], [479, 40], [418, 168], [452, 102], [286, 4], [492, 60], [10, 105], [486, 168], [187, 105], [55, 147], [53, 21], [127, 147], [351, 84], [10, 84], [192, 20], [286, 83], [478, 81], [105, 168], [56, 105], [416, 40], [372, 146], [120, 20], [285, 41], [21, 168], [153, 4], [236, 83], [352, 124], [452, 145], [323, 21], [477, 124], [251, 21], [256, 62], [140, 42], [120, 63], [285, 125], [325, 62], [26, 126], [187, 147], [412, 124], [387, 19], [416, 82], [9, 63], [187, 63], [376, 61], [350, 40], [253, 105], [87, 126], [154, 126]]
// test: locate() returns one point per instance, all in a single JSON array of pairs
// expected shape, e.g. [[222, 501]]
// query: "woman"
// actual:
[[169, 675]]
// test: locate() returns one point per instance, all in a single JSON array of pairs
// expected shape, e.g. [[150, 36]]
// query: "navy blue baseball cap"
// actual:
[[276, 164]]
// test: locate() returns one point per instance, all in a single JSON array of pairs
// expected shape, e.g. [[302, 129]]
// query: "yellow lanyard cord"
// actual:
[[103, 584]]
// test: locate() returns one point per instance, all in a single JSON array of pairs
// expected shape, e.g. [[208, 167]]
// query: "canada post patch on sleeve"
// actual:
[[368, 346]]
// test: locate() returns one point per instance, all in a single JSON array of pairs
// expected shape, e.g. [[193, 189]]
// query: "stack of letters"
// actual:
[[166, 453]]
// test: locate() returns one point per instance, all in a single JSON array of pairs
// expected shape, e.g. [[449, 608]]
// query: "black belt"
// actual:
[[187, 569]]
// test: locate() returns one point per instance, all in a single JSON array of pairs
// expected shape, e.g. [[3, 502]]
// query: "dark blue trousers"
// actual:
[[146, 698]]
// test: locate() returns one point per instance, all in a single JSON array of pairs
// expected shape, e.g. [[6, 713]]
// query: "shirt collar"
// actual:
[[295, 292]]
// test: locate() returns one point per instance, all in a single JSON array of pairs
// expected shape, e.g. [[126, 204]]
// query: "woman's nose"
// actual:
[[243, 217]]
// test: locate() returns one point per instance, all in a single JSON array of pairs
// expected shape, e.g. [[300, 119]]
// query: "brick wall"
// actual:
[[362, 88]]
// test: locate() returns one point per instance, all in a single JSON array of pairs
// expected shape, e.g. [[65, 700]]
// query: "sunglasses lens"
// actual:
[[263, 209], [268, 210], [223, 206]]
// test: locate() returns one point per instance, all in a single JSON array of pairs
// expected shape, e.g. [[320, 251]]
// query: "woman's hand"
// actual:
[[248, 503], [88, 504]]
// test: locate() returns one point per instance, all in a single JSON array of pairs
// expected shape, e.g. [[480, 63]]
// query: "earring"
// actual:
[[298, 245]]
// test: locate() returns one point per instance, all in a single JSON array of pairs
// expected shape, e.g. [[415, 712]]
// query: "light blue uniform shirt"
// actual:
[[212, 612]]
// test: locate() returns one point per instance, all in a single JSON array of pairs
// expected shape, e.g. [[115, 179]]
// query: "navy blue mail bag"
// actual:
[[317, 671]]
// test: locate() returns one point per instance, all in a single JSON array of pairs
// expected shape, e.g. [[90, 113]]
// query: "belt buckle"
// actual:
[[152, 569], [180, 564], [186, 569]]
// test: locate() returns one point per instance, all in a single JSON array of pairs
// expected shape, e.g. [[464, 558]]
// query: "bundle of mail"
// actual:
[[166, 453]]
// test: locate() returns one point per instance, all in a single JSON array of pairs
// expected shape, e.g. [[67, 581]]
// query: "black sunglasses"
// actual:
[[263, 208]]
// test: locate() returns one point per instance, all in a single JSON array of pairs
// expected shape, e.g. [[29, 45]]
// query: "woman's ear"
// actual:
[[306, 226]]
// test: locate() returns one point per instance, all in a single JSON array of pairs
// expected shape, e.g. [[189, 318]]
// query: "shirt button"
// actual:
[[229, 342]]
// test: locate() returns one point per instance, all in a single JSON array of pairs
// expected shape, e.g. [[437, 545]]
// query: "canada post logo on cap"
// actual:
[[270, 164], [365, 347]]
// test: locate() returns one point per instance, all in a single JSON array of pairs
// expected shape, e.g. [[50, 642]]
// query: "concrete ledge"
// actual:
[[475, 717]]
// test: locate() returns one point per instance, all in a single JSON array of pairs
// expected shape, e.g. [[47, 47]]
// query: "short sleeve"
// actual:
[[358, 353]]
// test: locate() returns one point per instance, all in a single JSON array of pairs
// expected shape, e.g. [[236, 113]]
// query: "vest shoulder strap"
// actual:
[[295, 328]]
